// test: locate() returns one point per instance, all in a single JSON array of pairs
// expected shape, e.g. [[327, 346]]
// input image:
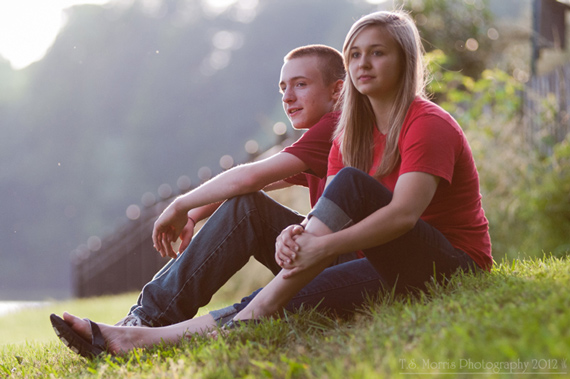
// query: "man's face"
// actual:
[[305, 96]]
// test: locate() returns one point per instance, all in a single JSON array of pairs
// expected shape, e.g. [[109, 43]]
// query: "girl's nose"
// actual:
[[364, 61]]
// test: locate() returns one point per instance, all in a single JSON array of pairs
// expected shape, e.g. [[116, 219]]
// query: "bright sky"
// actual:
[[29, 27]]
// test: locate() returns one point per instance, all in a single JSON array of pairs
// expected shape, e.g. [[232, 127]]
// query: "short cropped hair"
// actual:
[[330, 61]]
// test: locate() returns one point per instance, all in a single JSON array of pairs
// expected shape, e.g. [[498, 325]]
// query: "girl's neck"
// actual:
[[382, 108]]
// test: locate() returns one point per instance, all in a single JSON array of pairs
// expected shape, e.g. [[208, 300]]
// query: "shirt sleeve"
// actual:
[[431, 145], [335, 159], [314, 145]]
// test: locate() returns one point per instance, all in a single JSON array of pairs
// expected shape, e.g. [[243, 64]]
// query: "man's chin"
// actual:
[[298, 125]]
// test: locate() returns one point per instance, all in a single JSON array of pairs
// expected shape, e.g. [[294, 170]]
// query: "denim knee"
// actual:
[[350, 197]]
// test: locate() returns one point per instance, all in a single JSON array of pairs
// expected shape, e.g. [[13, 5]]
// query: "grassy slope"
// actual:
[[515, 318]]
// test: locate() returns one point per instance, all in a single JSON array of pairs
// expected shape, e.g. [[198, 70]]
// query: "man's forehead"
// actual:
[[300, 68]]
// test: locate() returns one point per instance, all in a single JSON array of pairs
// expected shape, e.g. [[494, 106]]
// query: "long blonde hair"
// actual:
[[357, 121]]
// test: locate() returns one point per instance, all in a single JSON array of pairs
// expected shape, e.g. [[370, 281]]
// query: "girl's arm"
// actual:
[[412, 195], [313, 250]]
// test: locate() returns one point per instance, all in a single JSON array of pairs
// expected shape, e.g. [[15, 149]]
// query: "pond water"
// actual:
[[7, 307]]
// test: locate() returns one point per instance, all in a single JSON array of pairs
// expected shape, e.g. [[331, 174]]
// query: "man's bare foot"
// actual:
[[118, 340]]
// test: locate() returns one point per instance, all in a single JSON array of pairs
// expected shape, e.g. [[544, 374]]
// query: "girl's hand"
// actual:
[[312, 253], [285, 245]]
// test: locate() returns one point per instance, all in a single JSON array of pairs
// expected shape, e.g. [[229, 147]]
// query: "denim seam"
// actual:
[[352, 284]]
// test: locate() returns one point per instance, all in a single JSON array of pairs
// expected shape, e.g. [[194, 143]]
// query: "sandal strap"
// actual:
[[97, 339]]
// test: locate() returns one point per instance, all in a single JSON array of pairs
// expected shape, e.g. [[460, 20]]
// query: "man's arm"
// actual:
[[277, 186], [198, 214], [237, 181]]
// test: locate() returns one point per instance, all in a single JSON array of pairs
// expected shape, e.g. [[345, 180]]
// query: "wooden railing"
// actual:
[[546, 107], [126, 260]]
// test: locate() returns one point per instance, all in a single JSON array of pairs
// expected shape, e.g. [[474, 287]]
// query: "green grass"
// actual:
[[494, 325], [32, 325]]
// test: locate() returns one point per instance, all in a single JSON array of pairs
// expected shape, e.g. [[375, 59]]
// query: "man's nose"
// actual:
[[288, 95]]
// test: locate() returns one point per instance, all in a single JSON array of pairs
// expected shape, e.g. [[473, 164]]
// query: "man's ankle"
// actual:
[[132, 320]]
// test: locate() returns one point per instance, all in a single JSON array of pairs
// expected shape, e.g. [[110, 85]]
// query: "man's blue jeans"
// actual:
[[242, 227], [405, 264]]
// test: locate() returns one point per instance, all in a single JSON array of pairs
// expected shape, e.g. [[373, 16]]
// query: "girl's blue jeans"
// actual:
[[404, 265]]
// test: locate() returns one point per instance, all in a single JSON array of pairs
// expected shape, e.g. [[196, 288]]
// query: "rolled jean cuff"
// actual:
[[221, 316], [330, 214]]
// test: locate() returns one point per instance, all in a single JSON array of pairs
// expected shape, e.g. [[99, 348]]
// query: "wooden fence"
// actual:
[[546, 108], [125, 262]]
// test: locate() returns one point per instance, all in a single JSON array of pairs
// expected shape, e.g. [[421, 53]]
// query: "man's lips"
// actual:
[[293, 111]]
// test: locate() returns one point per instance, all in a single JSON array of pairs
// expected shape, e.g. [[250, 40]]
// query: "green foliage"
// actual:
[[449, 25], [546, 199], [525, 194], [487, 324]]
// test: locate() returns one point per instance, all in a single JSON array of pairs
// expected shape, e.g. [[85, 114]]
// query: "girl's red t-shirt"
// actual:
[[431, 141]]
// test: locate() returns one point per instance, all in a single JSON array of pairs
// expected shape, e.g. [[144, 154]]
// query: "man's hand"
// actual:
[[186, 235], [166, 230]]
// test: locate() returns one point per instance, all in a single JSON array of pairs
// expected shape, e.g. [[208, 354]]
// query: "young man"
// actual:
[[248, 223], [245, 225]]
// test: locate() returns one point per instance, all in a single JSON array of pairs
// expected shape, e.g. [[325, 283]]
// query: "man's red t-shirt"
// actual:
[[431, 141], [313, 148]]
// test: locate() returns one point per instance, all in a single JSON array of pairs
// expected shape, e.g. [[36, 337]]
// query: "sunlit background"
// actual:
[[108, 107], [29, 27]]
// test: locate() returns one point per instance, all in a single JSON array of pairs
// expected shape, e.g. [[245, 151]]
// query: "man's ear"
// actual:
[[337, 89]]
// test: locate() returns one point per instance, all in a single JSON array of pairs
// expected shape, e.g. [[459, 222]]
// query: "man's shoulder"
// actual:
[[331, 117], [325, 125]]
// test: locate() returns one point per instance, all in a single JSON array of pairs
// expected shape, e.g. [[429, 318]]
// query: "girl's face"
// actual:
[[375, 64]]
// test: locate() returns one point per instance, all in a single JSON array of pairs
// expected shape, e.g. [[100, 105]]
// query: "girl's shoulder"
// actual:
[[424, 107], [423, 111]]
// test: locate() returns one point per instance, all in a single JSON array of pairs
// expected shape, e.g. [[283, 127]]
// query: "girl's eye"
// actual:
[[355, 55], [377, 53], [301, 84]]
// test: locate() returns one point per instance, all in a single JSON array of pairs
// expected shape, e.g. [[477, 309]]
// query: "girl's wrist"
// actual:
[[331, 247]]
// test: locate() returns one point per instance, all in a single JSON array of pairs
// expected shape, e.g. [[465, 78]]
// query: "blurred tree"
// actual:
[[459, 28], [131, 96]]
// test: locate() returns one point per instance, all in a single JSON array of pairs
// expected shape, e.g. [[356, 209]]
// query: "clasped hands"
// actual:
[[297, 250]]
